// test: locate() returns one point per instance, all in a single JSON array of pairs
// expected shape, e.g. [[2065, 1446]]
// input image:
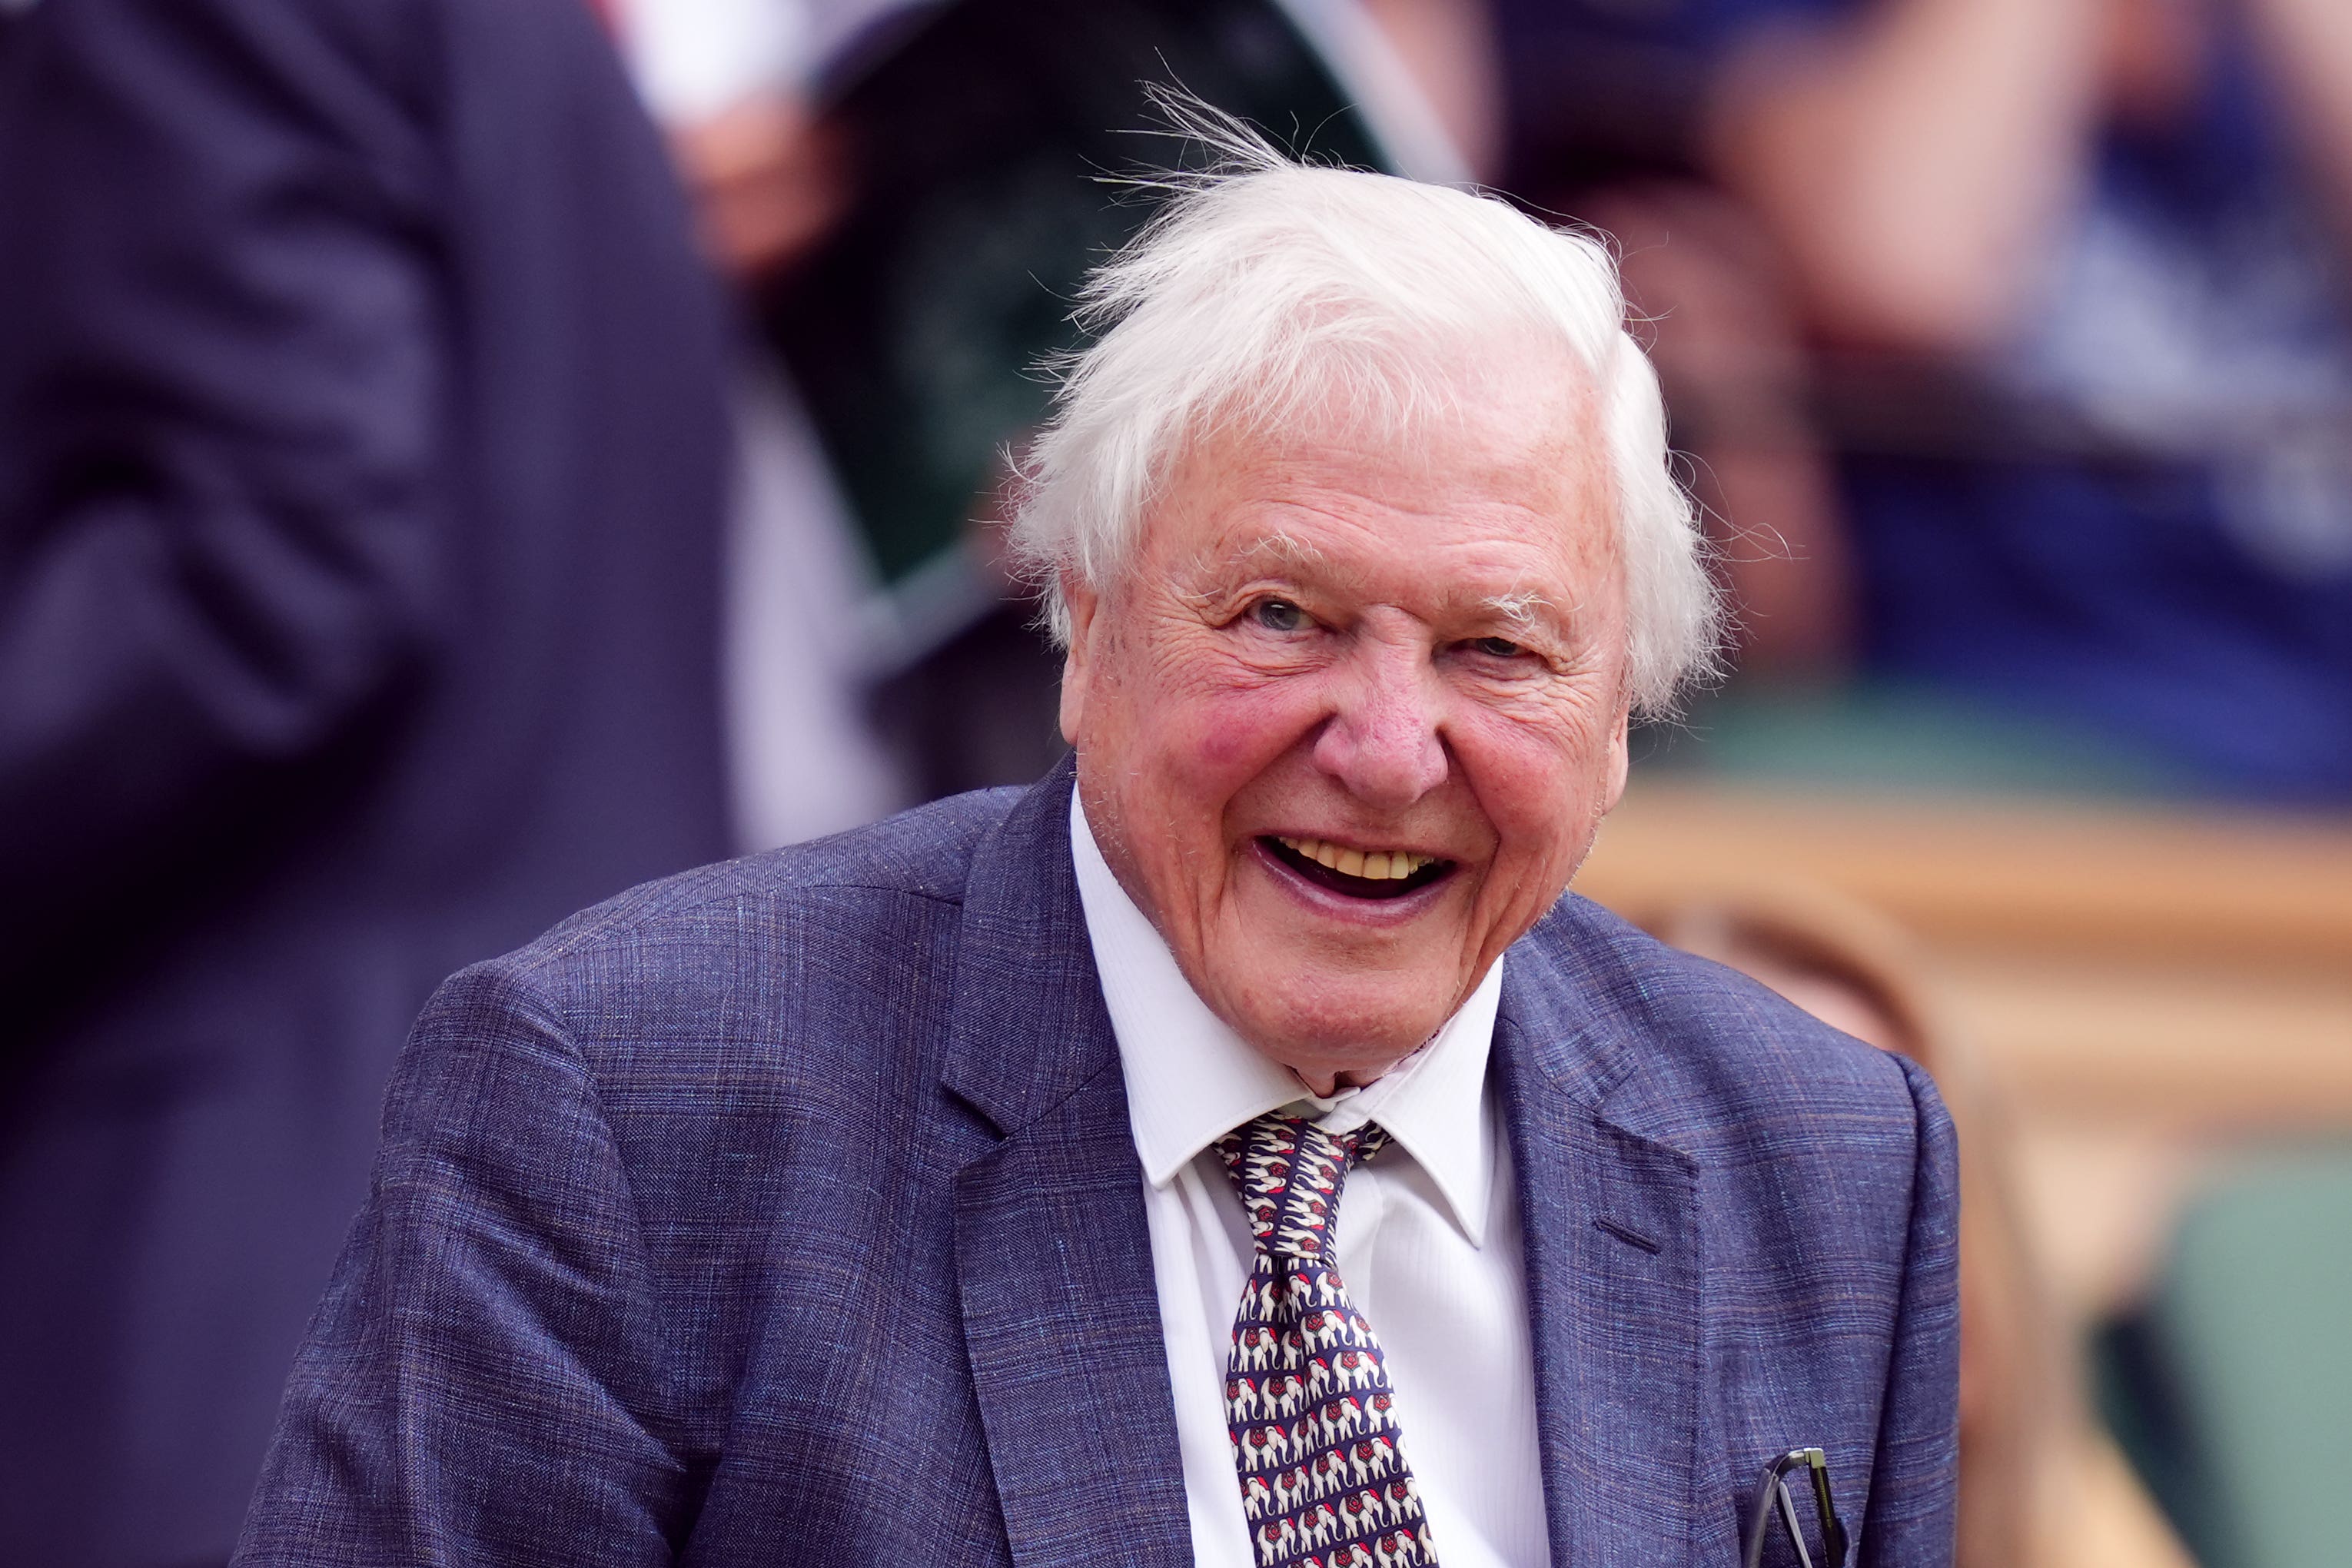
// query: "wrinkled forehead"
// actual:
[[1500, 472]]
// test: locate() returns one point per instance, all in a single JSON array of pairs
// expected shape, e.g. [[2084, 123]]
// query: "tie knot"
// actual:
[[1290, 1173]]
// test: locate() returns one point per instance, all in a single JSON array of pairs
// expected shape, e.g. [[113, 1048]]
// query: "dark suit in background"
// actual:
[[361, 458]]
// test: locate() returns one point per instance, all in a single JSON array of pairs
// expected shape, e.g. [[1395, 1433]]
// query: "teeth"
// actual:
[[1389, 866]]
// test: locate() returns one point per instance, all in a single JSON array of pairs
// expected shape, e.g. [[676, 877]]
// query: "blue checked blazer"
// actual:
[[787, 1212]]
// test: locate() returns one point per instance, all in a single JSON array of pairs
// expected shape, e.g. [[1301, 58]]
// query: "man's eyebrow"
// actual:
[[1275, 549], [1277, 554], [1271, 553], [1523, 608]]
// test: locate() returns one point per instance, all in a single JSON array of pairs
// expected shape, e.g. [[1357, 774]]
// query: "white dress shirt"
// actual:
[[1428, 1240]]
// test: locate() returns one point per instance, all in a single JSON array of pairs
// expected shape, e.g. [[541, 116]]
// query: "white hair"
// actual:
[[1265, 288]]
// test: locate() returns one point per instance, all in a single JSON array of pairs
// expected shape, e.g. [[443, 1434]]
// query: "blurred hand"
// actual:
[[1914, 162], [2154, 56], [766, 179], [2306, 49], [1713, 288], [1448, 46]]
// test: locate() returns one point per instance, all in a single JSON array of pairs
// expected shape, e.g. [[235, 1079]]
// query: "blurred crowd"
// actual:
[[459, 458]]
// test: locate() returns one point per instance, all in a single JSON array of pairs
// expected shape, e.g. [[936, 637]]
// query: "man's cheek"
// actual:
[[1542, 828], [1233, 739]]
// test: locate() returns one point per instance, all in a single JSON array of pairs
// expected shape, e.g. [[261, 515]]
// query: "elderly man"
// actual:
[[1232, 1151]]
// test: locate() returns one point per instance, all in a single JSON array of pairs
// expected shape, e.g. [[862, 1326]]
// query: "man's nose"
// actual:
[[1381, 742]]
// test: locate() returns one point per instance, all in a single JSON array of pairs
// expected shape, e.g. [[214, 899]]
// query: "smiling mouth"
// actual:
[[1376, 876]]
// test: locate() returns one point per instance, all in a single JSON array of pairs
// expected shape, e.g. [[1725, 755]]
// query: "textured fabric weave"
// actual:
[[1324, 1477]]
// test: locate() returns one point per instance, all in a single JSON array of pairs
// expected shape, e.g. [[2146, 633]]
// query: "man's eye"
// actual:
[[1279, 615], [1497, 647]]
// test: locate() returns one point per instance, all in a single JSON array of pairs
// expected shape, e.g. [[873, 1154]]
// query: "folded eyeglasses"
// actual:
[[1772, 1501]]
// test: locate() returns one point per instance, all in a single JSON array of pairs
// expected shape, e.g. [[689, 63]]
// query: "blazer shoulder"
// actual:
[[920, 855], [1683, 1047]]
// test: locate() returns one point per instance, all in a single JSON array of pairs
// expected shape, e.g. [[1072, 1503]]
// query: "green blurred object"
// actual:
[[1881, 735], [2233, 1390]]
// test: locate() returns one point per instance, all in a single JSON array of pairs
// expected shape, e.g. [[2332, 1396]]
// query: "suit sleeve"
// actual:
[[1913, 1485], [222, 392], [482, 1382]]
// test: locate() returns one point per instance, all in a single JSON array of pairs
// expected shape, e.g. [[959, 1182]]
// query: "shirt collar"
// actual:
[[1191, 1078]]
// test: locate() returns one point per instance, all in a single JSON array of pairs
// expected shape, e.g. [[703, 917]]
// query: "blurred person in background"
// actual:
[[728, 82], [2081, 265], [1599, 106], [362, 459], [2041, 1485]]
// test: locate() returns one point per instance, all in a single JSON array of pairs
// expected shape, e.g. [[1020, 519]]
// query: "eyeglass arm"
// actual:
[[1774, 1492]]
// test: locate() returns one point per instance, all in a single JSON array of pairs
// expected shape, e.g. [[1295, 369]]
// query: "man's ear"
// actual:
[[1621, 754], [1077, 660]]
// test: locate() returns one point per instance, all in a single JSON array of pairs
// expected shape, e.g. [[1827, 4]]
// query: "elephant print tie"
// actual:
[[1308, 1401]]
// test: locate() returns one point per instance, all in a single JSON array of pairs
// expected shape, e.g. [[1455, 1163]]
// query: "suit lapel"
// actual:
[[1054, 1257], [1611, 1236], [1061, 1317]]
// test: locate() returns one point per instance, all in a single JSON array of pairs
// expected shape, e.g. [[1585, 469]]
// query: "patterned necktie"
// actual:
[[1307, 1393]]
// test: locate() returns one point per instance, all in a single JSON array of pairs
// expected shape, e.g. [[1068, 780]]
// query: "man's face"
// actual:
[[1407, 657]]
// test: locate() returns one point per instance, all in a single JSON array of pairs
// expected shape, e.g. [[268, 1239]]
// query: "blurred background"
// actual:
[[456, 461]]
